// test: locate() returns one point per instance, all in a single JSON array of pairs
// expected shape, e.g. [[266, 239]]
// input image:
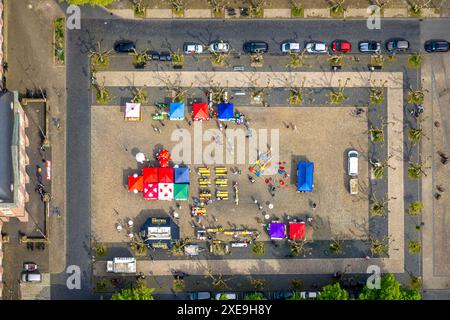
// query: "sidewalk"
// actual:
[[436, 257], [274, 13]]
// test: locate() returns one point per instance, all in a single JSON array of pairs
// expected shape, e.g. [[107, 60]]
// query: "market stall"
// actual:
[[176, 111], [277, 230], [133, 111], [226, 112], [200, 111]]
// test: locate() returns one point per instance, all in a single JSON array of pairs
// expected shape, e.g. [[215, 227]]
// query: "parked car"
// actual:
[[341, 46], [124, 46], [369, 46], [34, 276], [282, 295], [309, 294], [190, 48], [287, 47], [219, 47], [226, 296], [316, 47], [154, 55], [255, 47], [397, 45], [200, 295], [437, 46], [165, 56], [353, 163], [30, 266]]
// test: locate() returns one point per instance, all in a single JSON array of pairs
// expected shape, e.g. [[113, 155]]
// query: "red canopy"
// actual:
[[135, 183], [297, 230], [165, 175], [150, 175], [200, 111]]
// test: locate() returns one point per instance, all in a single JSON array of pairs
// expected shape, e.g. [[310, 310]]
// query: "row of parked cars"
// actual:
[[275, 295], [337, 46]]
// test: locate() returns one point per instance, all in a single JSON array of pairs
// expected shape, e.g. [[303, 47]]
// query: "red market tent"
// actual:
[[135, 183], [200, 111], [150, 175], [165, 175], [297, 230], [151, 191]]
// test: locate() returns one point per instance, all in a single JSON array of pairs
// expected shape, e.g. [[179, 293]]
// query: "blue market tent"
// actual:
[[160, 232], [226, 112], [176, 111], [305, 176], [181, 175]]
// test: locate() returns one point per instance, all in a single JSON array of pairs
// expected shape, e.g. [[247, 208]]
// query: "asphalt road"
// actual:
[[172, 34]]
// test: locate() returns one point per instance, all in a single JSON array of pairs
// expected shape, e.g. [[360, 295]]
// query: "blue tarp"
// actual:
[[181, 175], [226, 111], [176, 111], [305, 176]]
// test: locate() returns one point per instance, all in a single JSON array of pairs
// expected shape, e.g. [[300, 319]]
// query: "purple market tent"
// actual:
[[277, 230]]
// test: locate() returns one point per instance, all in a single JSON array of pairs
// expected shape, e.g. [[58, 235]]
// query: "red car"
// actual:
[[341, 46]]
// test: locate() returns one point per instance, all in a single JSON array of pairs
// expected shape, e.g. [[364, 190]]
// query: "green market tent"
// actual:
[[181, 191]]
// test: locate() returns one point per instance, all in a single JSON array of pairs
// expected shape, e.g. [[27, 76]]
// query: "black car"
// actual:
[[153, 55], [255, 47], [165, 56], [124, 46], [437, 46], [282, 295]]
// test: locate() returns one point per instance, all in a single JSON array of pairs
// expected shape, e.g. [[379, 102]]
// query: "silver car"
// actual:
[[316, 47], [219, 47], [397, 45], [369, 47]]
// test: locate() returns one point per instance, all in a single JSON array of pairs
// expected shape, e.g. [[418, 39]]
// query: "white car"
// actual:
[[190, 48], [219, 47], [309, 294], [353, 163], [287, 47], [226, 296], [316, 47]]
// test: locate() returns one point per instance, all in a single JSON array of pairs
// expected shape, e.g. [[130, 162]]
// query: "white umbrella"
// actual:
[[140, 157]]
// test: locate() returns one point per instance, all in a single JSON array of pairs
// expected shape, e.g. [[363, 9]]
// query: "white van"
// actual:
[[31, 277], [353, 163]]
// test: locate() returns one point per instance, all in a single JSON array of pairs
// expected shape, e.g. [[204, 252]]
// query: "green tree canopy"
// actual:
[[333, 292], [390, 289], [140, 292], [91, 2], [255, 296]]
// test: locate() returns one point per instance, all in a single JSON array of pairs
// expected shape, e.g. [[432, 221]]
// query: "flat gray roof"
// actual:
[[6, 132]]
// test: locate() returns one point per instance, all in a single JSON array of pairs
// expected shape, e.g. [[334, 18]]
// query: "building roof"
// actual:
[[6, 134]]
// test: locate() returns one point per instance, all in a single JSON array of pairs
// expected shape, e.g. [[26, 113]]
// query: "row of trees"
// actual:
[[337, 7], [390, 289]]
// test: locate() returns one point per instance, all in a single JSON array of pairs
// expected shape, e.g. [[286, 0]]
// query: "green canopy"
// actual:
[[181, 191]]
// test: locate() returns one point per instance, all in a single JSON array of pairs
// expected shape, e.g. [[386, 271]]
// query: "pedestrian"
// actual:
[[226, 126], [314, 205], [190, 123]]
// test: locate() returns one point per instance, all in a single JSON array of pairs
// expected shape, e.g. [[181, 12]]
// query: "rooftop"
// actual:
[[6, 133]]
